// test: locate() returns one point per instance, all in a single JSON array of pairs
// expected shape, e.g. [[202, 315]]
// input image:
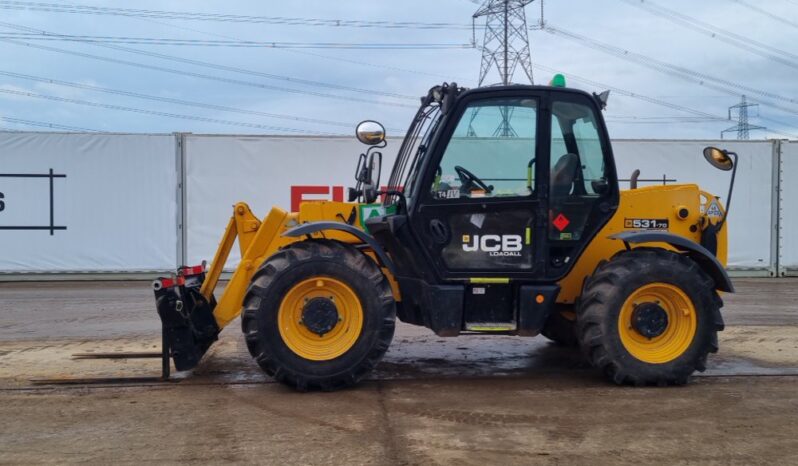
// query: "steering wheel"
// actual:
[[470, 180]]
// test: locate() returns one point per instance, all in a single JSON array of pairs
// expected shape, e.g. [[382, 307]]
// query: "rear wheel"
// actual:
[[649, 316], [318, 315]]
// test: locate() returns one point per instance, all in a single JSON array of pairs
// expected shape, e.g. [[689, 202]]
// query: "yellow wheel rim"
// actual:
[[677, 335], [307, 344]]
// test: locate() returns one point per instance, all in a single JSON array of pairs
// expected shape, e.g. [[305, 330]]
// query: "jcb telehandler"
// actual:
[[502, 215]]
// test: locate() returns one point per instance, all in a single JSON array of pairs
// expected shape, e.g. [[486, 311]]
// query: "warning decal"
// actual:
[[561, 222]]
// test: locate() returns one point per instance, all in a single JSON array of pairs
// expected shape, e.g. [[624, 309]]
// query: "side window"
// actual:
[[491, 153], [578, 176]]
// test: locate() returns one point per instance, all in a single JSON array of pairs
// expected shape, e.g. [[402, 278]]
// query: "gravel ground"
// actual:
[[467, 400]]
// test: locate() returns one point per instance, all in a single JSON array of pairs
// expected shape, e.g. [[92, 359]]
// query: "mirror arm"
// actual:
[[376, 146], [398, 193], [731, 189]]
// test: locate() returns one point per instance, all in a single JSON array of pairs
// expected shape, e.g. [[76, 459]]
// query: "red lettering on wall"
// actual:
[[298, 193], [338, 193]]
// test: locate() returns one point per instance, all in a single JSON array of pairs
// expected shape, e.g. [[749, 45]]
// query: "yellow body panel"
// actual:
[[651, 202], [260, 239]]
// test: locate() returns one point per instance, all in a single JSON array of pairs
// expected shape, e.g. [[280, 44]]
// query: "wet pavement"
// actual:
[[469, 400]]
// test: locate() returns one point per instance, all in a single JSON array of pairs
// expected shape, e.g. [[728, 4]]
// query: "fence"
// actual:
[[107, 203]]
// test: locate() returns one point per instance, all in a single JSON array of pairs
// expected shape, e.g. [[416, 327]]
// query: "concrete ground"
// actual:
[[468, 400]]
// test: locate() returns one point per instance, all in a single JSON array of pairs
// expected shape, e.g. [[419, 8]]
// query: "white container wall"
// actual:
[[788, 226], [134, 203], [262, 171], [110, 206]]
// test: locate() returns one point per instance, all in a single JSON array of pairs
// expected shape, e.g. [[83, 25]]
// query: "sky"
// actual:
[[327, 91]]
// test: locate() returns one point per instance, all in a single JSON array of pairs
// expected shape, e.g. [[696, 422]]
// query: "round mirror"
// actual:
[[370, 132], [718, 158]]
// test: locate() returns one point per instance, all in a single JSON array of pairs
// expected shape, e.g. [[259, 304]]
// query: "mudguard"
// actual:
[[705, 259], [315, 227]]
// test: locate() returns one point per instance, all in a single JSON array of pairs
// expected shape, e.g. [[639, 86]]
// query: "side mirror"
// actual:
[[718, 158], [722, 160], [602, 99], [370, 132]]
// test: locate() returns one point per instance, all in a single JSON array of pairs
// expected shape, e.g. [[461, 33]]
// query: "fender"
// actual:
[[705, 259], [315, 227]]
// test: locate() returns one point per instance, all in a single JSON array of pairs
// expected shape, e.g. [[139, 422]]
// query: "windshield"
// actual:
[[494, 143], [412, 151]]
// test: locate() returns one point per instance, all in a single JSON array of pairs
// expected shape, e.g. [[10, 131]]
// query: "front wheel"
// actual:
[[318, 315], [649, 316]]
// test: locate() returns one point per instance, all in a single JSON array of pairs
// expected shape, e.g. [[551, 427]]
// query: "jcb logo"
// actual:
[[495, 245]]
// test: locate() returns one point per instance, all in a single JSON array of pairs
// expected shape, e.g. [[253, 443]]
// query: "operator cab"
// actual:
[[500, 188], [508, 181]]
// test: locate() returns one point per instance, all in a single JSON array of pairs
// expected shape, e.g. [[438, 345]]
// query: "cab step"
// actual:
[[491, 326]]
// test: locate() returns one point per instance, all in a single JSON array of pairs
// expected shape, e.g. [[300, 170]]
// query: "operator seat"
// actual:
[[563, 175]]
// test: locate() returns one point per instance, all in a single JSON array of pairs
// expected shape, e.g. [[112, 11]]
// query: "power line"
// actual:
[[661, 65], [701, 116], [174, 58], [43, 124], [778, 123], [205, 76], [745, 43], [631, 94], [628, 93], [290, 79], [663, 117], [195, 16], [230, 43], [702, 79], [658, 119], [294, 51], [659, 102], [174, 101], [770, 15], [158, 113]]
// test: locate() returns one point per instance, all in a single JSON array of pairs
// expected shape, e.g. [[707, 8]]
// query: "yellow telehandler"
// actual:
[[502, 215]]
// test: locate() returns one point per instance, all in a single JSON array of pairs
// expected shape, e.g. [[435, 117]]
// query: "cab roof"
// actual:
[[522, 87]]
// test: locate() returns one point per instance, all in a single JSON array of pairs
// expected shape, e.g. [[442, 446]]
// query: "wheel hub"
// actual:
[[649, 320], [320, 315]]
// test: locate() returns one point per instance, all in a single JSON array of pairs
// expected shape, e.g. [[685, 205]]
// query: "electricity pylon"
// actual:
[[743, 128], [505, 45]]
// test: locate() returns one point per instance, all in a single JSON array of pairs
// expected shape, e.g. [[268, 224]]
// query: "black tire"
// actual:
[[298, 262], [600, 305], [560, 330]]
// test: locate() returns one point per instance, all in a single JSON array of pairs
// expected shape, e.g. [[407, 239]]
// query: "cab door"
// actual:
[[583, 187], [478, 212]]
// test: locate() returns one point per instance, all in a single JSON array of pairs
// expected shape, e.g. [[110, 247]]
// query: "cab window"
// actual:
[[578, 176], [491, 153]]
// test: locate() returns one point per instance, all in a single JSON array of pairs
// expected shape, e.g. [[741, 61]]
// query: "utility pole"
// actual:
[[743, 128]]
